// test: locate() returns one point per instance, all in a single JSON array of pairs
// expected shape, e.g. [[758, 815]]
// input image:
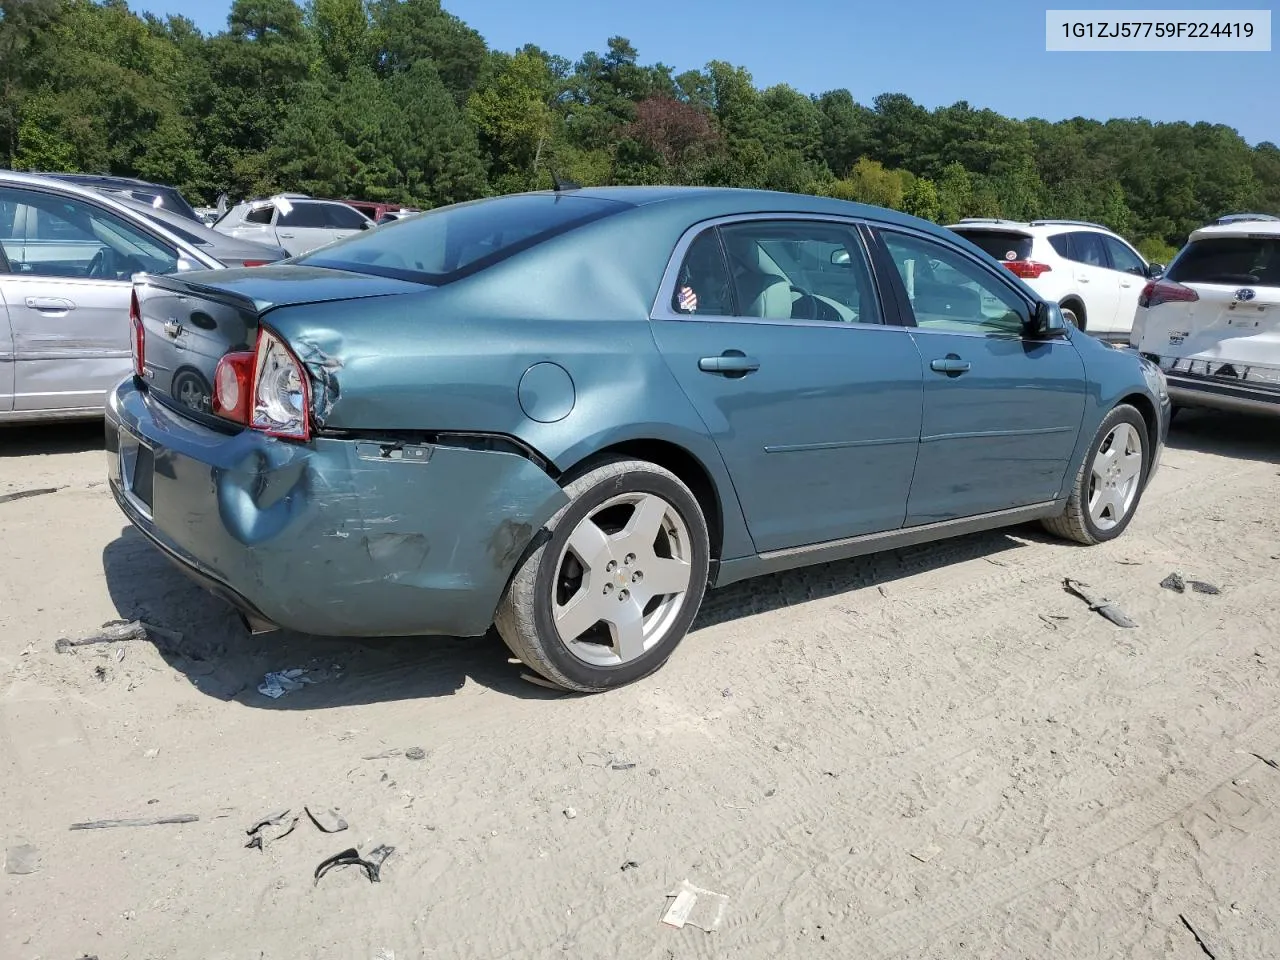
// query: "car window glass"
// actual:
[[948, 291], [1229, 261], [57, 236], [305, 215], [703, 285], [259, 214], [1124, 259], [802, 270], [342, 217], [1061, 243], [1087, 248]]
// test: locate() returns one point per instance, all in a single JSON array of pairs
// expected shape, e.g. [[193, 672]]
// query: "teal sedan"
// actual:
[[568, 414]]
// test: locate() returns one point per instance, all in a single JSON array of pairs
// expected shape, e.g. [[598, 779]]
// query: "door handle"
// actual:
[[951, 365], [50, 304], [172, 328], [286, 236], [730, 363]]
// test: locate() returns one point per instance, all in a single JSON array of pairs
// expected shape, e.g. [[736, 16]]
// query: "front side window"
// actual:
[[53, 236], [305, 215], [1087, 248], [342, 217], [948, 291], [1124, 259], [800, 270]]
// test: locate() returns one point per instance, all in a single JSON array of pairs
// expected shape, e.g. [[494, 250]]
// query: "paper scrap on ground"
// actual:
[[279, 682], [695, 907]]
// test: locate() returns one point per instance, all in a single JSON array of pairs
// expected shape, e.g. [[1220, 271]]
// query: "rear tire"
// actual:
[[1110, 482], [1073, 313], [612, 584]]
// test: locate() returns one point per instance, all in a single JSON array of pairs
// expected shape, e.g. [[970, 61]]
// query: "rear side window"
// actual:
[[1229, 260], [306, 215], [260, 215], [1061, 243], [1124, 259], [456, 241], [1002, 245]]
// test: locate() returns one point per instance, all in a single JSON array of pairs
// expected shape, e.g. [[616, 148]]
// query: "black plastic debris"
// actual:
[[415, 753], [1175, 583], [23, 494], [260, 836], [116, 631], [1199, 586], [630, 865], [1098, 604], [371, 865], [327, 821]]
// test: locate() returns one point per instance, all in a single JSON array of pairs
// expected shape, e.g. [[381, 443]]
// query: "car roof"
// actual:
[[105, 178], [1028, 227], [1238, 228]]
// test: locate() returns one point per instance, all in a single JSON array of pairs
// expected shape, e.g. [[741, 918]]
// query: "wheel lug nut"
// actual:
[[624, 594], [637, 576], [608, 588], [611, 566], [630, 559]]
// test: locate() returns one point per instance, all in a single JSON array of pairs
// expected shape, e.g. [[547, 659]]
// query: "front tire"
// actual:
[[611, 586], [1110, 482]]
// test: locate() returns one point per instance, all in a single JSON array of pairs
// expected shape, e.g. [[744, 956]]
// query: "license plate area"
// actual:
[[137, 464]]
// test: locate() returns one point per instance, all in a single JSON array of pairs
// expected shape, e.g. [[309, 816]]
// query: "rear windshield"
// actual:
[[444, 245], [1229, 260], [999, 243]]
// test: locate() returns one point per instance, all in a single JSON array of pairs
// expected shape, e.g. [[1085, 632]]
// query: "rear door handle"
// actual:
[[287, 236], [951, 365], [50, 304], [729, 363]]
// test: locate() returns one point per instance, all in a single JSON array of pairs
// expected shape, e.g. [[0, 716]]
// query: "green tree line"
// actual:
[[399, 100]]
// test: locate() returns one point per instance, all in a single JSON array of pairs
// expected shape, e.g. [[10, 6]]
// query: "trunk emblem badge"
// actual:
[[1244, 295]]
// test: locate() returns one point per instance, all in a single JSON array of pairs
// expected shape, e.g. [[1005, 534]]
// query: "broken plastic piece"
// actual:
[[1199, 586], [21, 859], [328, 821], [415, 753], [260, 837], [279, 682], [372, 865], [1099, 605], [695, 907], [616, 765], [1175, 583], [23, 494], [114, 631]]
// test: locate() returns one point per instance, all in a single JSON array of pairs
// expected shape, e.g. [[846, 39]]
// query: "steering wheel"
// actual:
[[98, 265], [815, 305]]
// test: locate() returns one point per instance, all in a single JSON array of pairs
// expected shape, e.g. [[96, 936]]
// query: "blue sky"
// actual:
[[989, 52]]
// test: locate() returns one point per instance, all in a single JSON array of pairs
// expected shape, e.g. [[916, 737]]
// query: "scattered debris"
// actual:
[[726, 692], [328, 821], [1130, 563], [259, 837], [100, 672], [1175, 583], [1199, 586], [117, 631], [24, 858], [542, 682], [883, 591], [279, 682], [1267, 760], [23, 494], [415, 753], [1099, 605], [622, 765], [653, 771], [570, 813], [1052, 620], [925, 854], [385, 955], [629, 865], [692, 906], [771, 791], [385, 755], [1199, 940], [372, 864], [141, 822]]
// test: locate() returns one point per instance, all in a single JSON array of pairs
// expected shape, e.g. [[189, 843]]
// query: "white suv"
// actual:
[[294, 221], [1093, 274], [1212, 322]]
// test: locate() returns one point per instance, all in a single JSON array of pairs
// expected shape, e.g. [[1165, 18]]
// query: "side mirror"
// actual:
[[840, 257], [184, 265], [1047, 321], [368, 225], [1155, 271]]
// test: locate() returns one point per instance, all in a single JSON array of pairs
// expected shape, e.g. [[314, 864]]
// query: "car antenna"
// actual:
[[563, 185]]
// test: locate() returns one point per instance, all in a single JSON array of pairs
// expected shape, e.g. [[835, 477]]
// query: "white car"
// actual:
[[1212, 322], [299, 224], [1093, 274]]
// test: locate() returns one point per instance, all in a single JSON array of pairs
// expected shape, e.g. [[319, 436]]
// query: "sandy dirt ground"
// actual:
[[932, 753]]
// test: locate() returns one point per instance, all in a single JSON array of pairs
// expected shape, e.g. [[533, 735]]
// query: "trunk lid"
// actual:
[[192, 320]]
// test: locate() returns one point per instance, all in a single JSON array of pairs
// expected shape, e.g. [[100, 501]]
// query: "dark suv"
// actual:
[[141, 190]]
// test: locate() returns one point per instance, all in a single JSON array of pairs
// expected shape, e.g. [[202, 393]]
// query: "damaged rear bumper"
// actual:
[[330, 537], [1220, 385]]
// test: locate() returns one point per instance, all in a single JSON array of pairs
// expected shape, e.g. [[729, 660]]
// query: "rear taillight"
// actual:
[[1026, 269], [281, 397], [265, 388], [233, 386], [254, 263], [137, 335], [1166, 291]]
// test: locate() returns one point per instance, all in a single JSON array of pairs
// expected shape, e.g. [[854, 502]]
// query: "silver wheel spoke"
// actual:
[[626, 624], [1130, 466], [590, 544], [663, 577], [582, 612], [642, 529]]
